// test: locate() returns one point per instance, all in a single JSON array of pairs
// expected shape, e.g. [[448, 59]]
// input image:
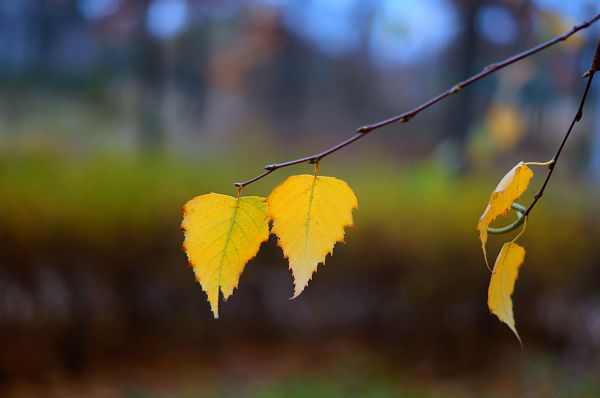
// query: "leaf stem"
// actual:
[[542, 164], [408, 116], [519, 209], [522, 231]]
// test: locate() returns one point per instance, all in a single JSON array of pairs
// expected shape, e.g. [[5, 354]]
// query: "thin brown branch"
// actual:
[[577, 118], [408, 116], [250, 181]]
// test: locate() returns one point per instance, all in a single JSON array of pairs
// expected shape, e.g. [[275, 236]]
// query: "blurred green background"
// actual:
[[114, 113]]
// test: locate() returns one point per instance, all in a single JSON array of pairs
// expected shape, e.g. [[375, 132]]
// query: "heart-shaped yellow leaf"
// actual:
[[502, 283], [309, 215], [222, 234], [510, 188]]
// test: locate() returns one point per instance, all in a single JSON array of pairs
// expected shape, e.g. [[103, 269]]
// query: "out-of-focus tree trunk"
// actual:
[[149, 71], [460, 110]]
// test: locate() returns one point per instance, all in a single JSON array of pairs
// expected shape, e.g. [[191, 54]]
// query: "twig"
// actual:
[[408, 116], [552, 163]]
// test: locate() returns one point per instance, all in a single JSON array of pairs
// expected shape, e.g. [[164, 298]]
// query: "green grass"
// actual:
[[98, 199]]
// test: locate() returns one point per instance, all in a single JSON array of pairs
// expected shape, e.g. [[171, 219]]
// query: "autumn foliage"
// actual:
[[309, 214], [222, 233]]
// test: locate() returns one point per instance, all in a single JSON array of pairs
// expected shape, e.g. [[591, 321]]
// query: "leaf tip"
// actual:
[[514, 330], [487, 263], [299, 286], [214, 306]]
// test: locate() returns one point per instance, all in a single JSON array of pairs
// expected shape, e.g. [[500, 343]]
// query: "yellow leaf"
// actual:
[[502, 283], [309, 215], [510, 188], [222, 234]]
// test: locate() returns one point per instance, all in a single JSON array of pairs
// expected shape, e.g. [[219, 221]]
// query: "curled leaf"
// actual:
[[309, 215], [502, 283], [222, 234], [510, 188]]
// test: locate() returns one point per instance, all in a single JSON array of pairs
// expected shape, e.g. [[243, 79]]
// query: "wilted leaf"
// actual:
[[510, 188], [221, 234], [502, 283], [309, 215]]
